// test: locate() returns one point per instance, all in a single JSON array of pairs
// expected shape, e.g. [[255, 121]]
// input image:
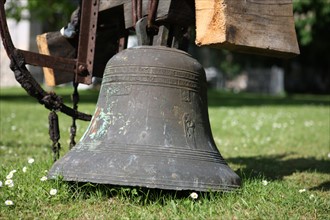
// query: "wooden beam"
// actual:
[[53, 44], [264, 27]]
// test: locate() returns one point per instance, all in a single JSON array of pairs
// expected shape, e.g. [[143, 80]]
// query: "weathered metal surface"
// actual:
[[150, 127], [87, 38]]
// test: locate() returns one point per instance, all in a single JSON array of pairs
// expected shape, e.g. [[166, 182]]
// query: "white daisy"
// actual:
[[9, 202], [9, 183], [44, 178], [53, 192], [194, 195], [265, 182], [9, 176]]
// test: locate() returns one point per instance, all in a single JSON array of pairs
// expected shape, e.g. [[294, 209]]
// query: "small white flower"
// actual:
[[9, 176], [308, 123], [44, 178], [9, 202], [13, 171], [8, 182], [311, 196], [194, 195], [53, 192], [264, 182], [46, 171], [24, 169], [31, 161], [302, 190], [0, 183]]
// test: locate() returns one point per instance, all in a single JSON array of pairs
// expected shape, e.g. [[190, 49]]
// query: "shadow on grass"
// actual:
[[322, 187], [135, 194], [215, 98], [19, 95], [226, 99], [276, 167]]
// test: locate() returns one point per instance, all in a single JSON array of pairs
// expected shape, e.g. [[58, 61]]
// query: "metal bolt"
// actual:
[[82, 68]]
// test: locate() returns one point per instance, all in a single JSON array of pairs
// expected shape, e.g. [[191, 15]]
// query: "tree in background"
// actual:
[[310, 72], [53, 14]]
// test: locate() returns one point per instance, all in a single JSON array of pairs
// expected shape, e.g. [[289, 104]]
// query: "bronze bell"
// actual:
[[150, 127]]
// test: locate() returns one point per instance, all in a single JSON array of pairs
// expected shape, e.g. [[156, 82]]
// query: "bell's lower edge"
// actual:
[[162, 173], [171, 186]]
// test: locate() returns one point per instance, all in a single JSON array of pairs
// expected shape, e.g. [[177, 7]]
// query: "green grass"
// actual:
[[284, 140]]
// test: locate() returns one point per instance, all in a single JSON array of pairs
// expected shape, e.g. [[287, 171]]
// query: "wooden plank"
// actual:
[[54, 44], [107, 4], [43, 49], [264, 27]]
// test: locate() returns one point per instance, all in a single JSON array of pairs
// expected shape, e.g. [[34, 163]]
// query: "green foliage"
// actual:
[[53, 13], [278, 145], [310, 16], [228, 65]]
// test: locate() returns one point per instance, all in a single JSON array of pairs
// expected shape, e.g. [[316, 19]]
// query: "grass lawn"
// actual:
[[280, 146]]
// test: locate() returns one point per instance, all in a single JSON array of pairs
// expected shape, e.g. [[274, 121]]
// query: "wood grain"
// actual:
[[54, 44], [264, 27]]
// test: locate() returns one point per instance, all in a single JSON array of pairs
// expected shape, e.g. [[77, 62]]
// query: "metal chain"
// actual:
[[73, 128], [54, 134], [76, 19]]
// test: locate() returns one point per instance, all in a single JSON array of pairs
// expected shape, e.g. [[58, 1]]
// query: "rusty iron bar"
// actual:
[[134, 10], [58, 63], [6, 39], [152, 12], [122, 45], [139, 9], [87, 38]]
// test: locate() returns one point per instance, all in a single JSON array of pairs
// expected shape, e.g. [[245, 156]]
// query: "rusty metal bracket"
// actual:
[[87, 37], [58, 63]]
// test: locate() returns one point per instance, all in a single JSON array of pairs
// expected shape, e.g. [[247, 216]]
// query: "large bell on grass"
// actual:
[[150, 127]]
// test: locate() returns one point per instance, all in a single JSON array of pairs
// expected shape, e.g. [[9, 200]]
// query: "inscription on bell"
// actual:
[[184, 74], [185, 96], [151, 80], [189, 129]]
